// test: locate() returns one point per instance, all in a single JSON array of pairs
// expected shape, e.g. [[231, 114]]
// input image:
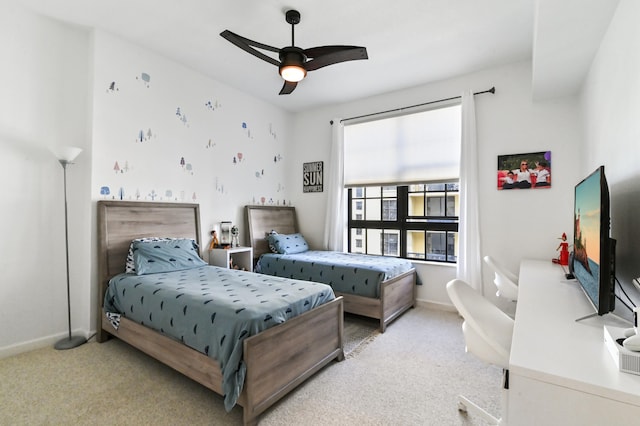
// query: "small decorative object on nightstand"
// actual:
[[225, 233], [235, 233], [233, 258], [214, 240]]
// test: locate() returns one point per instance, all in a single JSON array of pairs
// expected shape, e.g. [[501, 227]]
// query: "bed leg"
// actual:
[[247, 419], [102, 336]]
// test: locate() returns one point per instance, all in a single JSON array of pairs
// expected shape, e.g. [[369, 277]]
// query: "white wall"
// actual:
[[611, 109], [514, 225], [44, 87], [228, 139]]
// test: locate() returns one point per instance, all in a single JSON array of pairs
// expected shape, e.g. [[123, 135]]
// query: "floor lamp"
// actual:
[[65, 157]]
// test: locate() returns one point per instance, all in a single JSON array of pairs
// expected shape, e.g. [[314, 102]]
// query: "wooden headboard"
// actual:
[[263, 219], [119, 222]]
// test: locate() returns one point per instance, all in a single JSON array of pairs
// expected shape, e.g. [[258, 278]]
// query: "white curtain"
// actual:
[[469, 264], [334, 223]]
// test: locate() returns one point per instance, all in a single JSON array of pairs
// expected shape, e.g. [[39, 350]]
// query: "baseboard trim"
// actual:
[[35, 344]]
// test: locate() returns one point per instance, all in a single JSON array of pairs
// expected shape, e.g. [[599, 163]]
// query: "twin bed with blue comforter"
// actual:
[[213, 310], [249, 337], [379, 287], [344, 272]]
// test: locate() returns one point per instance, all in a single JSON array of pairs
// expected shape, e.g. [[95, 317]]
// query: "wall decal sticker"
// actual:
[[168, 193], [258, 175], [238, 158], [118, 169], [145, 136], [121, 193], [246, 129], [219, 187], [212, 105], [153, 194], [105, 191], [112, 88], [181, 116], [277, 158], [272, 132], [145, 78], [210, 144], [187, 167]]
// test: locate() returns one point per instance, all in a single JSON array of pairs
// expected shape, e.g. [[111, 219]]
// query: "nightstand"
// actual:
[[242, 257]]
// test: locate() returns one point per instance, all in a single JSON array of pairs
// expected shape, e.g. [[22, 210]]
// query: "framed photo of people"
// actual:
[[524, 171]]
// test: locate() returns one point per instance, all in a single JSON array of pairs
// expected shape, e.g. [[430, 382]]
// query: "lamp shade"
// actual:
[[292, 61], [67, 153], [293, 73]]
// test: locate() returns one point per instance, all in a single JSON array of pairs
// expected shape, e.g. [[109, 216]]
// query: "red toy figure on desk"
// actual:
[[563, 259]]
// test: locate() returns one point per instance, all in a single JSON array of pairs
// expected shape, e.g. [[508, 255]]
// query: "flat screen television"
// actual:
[[593, 258]]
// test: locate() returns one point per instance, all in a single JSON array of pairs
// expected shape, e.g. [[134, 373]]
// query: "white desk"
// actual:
[[560, 371]]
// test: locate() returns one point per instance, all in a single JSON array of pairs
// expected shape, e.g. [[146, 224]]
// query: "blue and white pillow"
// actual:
[[150, 257], [287, 244], [130, 267]]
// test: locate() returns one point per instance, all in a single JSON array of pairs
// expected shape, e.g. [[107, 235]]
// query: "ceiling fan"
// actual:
[[295, 62]]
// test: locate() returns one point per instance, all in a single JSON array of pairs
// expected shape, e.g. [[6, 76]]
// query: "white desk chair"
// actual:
[[487, 334], [505, 281]]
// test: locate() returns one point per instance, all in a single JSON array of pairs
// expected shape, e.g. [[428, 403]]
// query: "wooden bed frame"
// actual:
[[397, 294], [277, 359]]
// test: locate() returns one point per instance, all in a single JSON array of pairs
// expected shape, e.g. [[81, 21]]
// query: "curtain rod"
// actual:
[[492, 90]]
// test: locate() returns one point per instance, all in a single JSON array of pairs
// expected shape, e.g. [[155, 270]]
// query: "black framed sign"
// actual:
[[312, 174]]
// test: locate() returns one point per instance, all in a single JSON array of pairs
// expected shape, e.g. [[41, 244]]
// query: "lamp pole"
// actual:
[[71, 341]]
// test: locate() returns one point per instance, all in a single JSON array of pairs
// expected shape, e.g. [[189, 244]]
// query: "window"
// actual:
[[389, 213], [411, 221]]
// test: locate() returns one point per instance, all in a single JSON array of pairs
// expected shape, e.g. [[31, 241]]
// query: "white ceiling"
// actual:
[[409, 42]]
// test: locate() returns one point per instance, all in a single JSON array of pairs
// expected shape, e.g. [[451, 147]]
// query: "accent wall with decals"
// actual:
[[164, 132]]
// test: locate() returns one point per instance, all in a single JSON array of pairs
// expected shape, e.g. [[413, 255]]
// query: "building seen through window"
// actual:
[[417, 221]]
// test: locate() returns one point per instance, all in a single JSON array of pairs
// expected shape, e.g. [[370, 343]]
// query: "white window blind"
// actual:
[[411, 148]]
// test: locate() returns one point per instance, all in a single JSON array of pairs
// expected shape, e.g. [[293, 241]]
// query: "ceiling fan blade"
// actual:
[[329, 55], [288, 87], [248, 46]]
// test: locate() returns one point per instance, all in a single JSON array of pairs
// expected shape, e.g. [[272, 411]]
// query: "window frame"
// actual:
[[404, 221]]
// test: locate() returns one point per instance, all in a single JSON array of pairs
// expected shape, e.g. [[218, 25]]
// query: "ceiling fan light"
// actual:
[[293, 73]]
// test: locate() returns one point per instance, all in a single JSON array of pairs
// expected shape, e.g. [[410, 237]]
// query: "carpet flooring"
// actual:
[[409, 375]]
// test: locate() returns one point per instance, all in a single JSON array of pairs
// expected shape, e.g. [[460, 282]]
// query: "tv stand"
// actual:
[[593, 314], [607, 315], [560, 369]]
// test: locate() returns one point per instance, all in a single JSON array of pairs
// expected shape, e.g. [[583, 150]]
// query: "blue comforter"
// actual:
[[213, 310], [345, 272]]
